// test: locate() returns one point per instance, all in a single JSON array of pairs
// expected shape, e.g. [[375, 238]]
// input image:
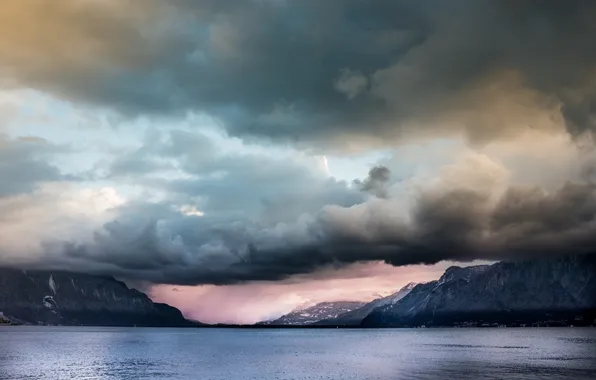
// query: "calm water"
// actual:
[[114, 353]]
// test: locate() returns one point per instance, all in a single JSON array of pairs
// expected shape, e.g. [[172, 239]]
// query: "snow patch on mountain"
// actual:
[[318, 312], [354, 317], [50, 303], [52, 284]]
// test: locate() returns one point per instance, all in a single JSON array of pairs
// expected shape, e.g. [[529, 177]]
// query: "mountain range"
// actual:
[[318, 312], [63, 298], [558, 291], [355, 317]]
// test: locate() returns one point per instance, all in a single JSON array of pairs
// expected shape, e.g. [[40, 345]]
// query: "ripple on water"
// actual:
[[218, 354]]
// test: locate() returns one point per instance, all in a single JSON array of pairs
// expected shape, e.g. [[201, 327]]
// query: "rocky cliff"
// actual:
[[526, 292], [63, 298]]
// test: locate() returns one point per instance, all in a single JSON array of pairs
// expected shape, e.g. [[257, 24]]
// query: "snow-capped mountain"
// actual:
[[393, 298], [354, 317], [318, 312]]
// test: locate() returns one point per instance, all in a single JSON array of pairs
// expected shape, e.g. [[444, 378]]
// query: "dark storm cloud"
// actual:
[[306, 70], [267, 219], [378, 178], [458, 224], [313, 72]]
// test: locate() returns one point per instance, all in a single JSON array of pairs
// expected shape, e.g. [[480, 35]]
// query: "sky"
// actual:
[[239, 158]]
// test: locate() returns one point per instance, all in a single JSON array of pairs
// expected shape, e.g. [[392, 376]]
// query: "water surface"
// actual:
[[230, 354]]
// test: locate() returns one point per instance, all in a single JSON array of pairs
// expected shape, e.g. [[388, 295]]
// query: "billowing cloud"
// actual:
[[378, 177], [306, 72], [23, 164], [297, 222], [54, 212], [202, 124]]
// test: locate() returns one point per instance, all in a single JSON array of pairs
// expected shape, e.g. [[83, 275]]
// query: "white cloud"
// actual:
[[53, 213], [190, 210]]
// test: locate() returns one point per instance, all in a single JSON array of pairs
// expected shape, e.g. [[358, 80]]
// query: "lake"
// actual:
[[230, 354]]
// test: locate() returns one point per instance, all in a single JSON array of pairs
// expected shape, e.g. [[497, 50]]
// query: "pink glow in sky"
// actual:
[[254, 302]]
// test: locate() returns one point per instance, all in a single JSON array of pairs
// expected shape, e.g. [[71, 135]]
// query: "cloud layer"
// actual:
[[295, 221], [304, 71], [198, 158]]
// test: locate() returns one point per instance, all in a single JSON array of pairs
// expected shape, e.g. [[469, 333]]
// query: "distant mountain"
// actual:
[[63, 298], [320, 311], [354, 317], [553, 291]]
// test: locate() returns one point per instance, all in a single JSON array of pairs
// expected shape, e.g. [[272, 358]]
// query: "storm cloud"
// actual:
[[23, 164], [474, 121], [304, 71], [376, 181], [469, 214]]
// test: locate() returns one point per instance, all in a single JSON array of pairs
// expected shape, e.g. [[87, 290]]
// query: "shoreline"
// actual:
[[253, 327]]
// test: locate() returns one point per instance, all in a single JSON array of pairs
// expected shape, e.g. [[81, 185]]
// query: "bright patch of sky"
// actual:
[[94, 137]]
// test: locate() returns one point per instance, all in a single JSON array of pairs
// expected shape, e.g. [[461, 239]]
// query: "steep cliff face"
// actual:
[[53, 297], [355, 317], [501, 293]]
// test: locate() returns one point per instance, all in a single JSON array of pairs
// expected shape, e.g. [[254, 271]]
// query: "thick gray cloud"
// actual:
[[378, 178], [307, 70], [321, 74], [230, 185], [248, 216], [23, 165], [459, 223]]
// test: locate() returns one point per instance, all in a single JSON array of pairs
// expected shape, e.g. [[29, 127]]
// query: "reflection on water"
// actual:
[[126, 353]]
